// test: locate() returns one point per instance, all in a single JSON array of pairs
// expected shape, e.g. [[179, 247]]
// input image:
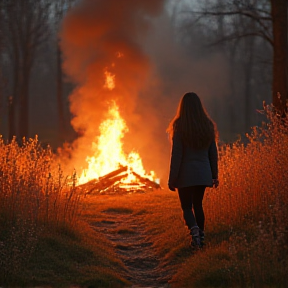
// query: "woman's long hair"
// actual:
[[193, 123]]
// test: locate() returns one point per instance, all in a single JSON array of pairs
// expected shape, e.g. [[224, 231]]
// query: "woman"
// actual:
[[194, 161]]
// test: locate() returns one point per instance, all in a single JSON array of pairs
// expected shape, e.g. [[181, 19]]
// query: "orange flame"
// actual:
[[109, 155], [110, 80]]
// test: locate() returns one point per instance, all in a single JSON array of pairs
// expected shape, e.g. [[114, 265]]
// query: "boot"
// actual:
[[194, 232]]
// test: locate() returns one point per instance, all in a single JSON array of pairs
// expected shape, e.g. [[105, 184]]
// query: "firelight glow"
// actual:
[[110, 80], [109, 155]]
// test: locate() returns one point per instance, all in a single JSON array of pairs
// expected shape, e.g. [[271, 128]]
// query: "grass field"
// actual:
[[47, 239]]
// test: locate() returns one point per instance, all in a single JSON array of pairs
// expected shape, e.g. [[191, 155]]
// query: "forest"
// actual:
[[87, 91], [235, 48]]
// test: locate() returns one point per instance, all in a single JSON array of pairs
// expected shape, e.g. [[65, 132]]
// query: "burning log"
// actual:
[[99, 182], [147, 181], [111, 183], [105, 184], [114, 173]]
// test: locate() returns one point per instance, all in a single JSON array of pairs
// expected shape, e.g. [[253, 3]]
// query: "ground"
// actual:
[[131, 225]]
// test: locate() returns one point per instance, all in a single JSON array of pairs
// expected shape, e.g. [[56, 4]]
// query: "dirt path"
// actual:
[[128, 235]]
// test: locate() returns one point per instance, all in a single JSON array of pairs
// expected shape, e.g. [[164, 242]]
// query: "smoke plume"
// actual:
[[103, 37], [135, 41]]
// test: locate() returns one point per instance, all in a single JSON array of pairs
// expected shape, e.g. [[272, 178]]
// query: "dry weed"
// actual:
[[248, 211], [33, 194]]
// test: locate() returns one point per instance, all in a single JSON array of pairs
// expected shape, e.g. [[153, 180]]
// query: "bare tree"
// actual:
[[1, 73], [269, 20], [280, 74], [25, 28], [3, 80], [248, 64], [60, 8]]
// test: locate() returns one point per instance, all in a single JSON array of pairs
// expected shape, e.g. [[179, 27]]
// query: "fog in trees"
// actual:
[[226, 59]]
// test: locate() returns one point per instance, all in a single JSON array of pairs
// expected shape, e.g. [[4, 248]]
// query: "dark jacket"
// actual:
[[191, 167]]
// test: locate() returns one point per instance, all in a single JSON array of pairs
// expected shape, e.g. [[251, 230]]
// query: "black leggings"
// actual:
[[192, 197]]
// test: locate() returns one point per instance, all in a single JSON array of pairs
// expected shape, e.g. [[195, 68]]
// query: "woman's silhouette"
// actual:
[[194, 161]]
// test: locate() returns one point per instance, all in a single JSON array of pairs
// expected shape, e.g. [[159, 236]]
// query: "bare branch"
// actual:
[[230, 13], [240, 36], [261, 20]]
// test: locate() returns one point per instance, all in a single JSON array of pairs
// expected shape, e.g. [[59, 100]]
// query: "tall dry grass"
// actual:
[[34, 196], [247, 218], [253, 176]]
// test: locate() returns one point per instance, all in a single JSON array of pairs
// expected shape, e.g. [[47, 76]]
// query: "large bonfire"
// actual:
[[110, 169], [105, 55]]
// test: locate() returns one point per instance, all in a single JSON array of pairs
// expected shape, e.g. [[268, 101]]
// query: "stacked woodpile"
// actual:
[[112, 183]]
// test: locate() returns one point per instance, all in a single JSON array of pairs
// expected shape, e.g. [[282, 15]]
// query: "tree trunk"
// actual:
[[24, 95], [61, 121], [11, 118], [231, 97], [2, 85], [248, 70], [24, 106], [12, 101], [279, 87]]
